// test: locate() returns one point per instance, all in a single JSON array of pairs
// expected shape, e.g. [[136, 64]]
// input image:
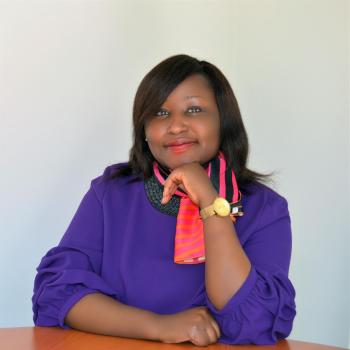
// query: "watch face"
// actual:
[[222, 206]]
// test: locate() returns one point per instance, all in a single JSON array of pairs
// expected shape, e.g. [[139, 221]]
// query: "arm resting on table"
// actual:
[[101, 314]]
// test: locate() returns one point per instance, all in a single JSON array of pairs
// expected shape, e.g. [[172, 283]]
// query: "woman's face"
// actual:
[[187, 126]]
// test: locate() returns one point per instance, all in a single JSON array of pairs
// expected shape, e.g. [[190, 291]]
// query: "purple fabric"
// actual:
[[118, 244]]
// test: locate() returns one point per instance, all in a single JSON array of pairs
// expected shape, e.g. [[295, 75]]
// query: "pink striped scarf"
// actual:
[[189, 236]]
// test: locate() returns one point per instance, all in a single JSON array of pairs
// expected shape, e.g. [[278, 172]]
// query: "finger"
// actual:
[[165, 199], [167, 194], [169, 186], [199, 337], [216, 328], [213, 322], [172, 188], [169, 190], [175, 180], [211, 334], [166, 191]]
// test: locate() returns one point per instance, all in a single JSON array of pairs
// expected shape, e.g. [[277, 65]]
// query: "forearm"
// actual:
[[227, 265], [101, 314]]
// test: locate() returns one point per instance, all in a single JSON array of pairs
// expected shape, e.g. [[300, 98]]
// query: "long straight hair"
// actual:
[[154, 89]]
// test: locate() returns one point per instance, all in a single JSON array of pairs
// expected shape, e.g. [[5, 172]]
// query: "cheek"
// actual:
[[212, 132], [155, 140], [155, 128], [154, 131]]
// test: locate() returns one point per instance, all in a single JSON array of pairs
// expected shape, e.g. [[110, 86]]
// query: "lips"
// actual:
[[180, 146], [179, 142]]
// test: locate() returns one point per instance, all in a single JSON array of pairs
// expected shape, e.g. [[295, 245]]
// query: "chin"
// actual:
[[183, 162]]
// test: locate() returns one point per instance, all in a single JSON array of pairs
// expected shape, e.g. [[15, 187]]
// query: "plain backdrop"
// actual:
[[69, 71]]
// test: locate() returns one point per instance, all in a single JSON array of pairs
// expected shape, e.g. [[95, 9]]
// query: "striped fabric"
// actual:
[[189, 236]]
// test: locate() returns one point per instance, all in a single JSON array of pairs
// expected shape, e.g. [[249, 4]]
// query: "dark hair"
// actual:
[[154, 90]]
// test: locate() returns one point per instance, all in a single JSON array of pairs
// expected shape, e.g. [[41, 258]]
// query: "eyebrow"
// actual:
[[189, 97]]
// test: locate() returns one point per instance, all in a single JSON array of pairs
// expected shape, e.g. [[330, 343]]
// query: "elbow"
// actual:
[[255, 335], [41, 320], [258, 326]]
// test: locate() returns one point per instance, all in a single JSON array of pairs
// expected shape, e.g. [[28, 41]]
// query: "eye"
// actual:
[[194, 109], [161, 113]]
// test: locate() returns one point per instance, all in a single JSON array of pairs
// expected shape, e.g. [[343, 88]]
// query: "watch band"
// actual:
[[207, 212], [219, 207]]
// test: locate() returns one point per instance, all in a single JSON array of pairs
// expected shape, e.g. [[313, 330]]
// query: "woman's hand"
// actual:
[[195, 325], [194, 180]]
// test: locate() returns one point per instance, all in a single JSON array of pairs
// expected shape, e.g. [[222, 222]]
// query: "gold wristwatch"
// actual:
[[219, 207]]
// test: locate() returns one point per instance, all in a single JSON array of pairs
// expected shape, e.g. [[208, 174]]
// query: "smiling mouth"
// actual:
[[181, 148]]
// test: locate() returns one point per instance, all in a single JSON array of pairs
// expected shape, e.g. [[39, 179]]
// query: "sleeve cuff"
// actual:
[[237, 298], [70, 303]]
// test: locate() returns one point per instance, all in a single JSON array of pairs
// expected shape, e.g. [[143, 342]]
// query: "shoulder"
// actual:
[[265, 203], [263, 193], [101, 183]]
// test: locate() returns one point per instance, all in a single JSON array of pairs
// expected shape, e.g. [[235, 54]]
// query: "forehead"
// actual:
[[194, 86]]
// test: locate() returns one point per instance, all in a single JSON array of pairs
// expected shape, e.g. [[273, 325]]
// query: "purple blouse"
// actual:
[[118, 244]]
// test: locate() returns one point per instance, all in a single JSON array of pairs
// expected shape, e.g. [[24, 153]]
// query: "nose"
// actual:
[[177, 123]]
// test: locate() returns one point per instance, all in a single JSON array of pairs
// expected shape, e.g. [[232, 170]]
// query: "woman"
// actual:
[[159, 247]]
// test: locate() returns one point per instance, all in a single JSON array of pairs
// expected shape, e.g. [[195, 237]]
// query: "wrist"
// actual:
[[156, 329], [208, 199], [164, 328]]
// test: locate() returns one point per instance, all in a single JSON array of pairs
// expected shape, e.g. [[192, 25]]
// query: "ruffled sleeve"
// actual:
[[72, 269], [262, 311]]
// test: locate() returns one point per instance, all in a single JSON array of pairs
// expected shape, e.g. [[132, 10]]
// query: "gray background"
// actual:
[[68, 74]]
